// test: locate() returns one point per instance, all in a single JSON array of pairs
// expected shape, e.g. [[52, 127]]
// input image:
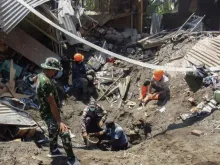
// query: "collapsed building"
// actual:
[[122, 27]]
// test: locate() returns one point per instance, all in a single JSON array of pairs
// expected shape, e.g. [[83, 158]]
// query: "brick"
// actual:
[[197, 133], [191, 100]]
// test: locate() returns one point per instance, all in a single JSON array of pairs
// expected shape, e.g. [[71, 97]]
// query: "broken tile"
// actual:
[[197, 133], [191, 100]]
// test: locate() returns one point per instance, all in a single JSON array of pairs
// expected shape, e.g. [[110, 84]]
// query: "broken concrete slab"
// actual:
[[131, 103], [187, 116], [197, 133], [192, 101], [213, 102]]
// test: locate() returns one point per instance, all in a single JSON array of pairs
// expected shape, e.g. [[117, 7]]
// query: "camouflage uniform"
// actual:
[[45, 88]]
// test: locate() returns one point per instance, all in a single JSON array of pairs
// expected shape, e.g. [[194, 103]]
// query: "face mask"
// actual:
[[92, 109], [58, 75]]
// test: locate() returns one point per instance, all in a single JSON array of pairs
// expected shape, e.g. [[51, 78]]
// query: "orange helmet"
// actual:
[[78, 57], [158, 74]]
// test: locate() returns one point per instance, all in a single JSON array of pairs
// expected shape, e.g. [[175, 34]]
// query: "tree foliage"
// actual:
[[161, 7]]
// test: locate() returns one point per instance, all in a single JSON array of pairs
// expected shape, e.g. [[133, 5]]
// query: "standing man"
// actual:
[[81, 75], [49, 101]]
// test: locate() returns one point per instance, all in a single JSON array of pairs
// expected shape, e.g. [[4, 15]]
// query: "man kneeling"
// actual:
[[92, 119], [160, 84], [117, 137]]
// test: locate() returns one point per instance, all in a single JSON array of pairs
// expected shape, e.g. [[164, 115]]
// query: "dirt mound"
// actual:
[[172, 141]]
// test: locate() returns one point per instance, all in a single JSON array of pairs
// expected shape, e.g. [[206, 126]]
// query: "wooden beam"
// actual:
[[140, 16], [27, 46], [45, 33]]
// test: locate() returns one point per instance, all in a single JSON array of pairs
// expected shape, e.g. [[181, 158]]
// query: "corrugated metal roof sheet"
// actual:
[[67, 17], [206, 51], [12, 12], [10, 116]]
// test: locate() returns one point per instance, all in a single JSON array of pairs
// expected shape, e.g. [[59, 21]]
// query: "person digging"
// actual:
[[160, 84], [117, 139], [48, 102], [81, 75], [92, 119]]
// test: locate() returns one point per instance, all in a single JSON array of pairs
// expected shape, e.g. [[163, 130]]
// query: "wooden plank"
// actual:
[[110, 87], [25, 132], [140, 16]]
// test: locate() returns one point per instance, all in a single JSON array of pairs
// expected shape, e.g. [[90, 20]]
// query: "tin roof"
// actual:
[[11, 116], [12, 12], [206, 51]]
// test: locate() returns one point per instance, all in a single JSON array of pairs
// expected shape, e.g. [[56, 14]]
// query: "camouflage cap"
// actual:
[[52, 63]]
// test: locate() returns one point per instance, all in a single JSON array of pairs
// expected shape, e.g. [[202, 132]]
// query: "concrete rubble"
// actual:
[[197, 133], [117, 83]]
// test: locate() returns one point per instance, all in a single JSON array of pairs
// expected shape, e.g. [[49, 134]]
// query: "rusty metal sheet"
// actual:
[[12, 12], [10, 116], [206, 51], [27, 46]]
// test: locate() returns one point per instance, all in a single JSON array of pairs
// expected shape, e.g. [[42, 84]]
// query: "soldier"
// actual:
[[49, 101]]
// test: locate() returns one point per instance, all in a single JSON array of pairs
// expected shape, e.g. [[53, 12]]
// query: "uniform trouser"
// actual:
[[54, 131], [92, 126], [81, 83], [162, 96]]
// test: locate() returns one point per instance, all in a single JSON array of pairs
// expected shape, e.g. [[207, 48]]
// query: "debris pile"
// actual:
[[17, 94], [209, 104]]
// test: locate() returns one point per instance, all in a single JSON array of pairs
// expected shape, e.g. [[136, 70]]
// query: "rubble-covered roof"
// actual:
[[206, 51], [12, 12]]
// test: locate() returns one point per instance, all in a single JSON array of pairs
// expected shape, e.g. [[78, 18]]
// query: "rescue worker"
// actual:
[[92, 119], [81, 75], [118, 139], [160, 84], [49, 111]]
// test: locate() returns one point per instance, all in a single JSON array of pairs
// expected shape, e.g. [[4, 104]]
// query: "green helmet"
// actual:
[[52, 63]]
